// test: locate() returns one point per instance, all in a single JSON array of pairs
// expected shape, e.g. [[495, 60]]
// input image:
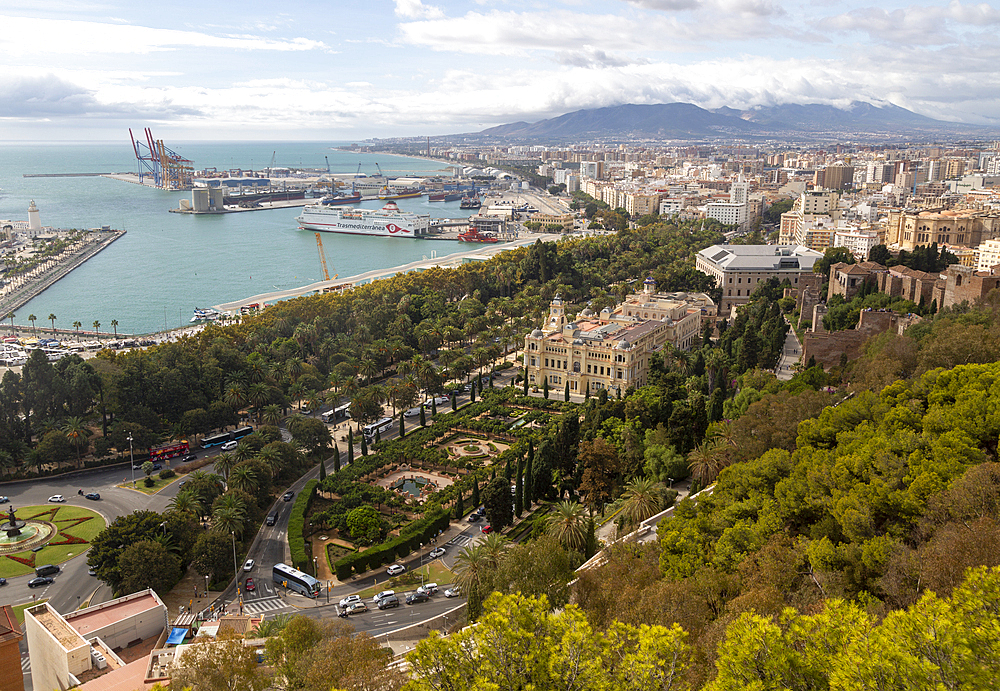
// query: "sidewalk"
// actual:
[[791, 353]]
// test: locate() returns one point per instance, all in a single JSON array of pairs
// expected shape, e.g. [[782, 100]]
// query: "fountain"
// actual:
[[17, 535], [13, 526]]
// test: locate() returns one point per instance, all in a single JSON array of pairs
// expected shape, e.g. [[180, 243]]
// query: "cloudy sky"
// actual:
[[344, 69]]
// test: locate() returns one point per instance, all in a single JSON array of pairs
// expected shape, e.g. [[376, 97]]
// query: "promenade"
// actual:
[[481, 253]]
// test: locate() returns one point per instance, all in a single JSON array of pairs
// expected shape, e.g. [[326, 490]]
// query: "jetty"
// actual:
[[25, 288]]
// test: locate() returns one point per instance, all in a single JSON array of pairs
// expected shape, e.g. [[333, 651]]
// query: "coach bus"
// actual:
[[241, 432], [380, 427], [286, 576], [215, 440], [339, 413]]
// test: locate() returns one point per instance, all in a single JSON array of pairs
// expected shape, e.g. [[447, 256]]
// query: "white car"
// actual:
[[412, 412], [395, 569], [58, 498], [349, 600], [230, 445], [384, 593], [439, 552], [452, 592], [428, 588], [248, 565], [438, 400]]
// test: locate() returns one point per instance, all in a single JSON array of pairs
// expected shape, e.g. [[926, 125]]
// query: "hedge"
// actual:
[[296, 526], [411, 537]]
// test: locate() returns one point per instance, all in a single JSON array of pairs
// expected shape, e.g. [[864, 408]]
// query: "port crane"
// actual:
[[273, 154], [322, 258]]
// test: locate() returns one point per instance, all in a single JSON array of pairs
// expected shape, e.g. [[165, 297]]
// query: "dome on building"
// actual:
[[537, 333], [587, 312]]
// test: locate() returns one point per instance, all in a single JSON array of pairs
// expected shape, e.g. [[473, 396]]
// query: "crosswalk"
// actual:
[[264, 605], [25, 664], [460, 540]]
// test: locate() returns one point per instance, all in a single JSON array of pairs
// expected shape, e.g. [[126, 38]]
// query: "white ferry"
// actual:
[[389, 221]]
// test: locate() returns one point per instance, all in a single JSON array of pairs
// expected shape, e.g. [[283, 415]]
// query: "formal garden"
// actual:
[[52, 534]]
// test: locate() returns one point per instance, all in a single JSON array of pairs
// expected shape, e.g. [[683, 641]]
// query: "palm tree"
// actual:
[[706, 461], [114, 325], [271, 414], [32, 318], [271, 459], [243, 478], [368, 369], [11, 315], [472, 573], [493, 548], [97, 328], [187, 502], [76, 325], [52, 320], [228, 520], [77, 432], [642, 500], [568, 526], [224, 463], [271, 627]]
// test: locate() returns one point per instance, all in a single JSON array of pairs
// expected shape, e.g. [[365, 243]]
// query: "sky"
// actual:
[[350, 70]]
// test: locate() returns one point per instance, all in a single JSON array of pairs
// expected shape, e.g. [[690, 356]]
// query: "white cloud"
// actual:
[[30, 36], [415, 9]]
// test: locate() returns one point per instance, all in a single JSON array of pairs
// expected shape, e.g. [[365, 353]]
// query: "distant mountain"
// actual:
[[688, 121]]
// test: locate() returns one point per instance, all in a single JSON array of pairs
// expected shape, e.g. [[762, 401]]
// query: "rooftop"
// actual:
[[97, 617]]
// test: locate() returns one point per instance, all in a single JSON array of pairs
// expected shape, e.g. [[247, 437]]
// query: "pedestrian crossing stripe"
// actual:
[[25, 664], [264, 605]]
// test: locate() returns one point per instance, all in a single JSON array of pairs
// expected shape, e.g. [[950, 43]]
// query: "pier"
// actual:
[[25, 288]]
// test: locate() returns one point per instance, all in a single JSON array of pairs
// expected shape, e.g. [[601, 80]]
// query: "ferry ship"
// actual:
[[389, 221]]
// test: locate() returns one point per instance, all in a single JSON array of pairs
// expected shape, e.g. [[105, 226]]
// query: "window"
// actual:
[[576, 366]]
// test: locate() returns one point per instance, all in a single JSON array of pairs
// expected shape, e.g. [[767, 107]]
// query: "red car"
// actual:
[[486, 529], [250, 587]]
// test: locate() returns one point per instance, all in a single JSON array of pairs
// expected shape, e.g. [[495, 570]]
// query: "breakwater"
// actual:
[[24, 288]]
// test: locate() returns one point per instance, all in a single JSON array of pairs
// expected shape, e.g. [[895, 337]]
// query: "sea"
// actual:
[[167, 263]]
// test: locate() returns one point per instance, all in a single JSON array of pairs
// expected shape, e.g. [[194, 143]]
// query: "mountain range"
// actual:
[[688, 121]]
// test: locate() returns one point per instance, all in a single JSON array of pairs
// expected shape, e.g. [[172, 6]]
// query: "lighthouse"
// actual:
[[34, 222]]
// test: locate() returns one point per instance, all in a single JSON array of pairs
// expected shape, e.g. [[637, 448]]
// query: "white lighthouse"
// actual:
[[34, 222]]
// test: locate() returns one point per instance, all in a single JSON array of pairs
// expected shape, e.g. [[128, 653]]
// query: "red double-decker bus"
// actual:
[[171, 450]]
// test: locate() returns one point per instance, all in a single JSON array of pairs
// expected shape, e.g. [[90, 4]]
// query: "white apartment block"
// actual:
[[738, 269], [727, 212], [858, 241], [989, 255]]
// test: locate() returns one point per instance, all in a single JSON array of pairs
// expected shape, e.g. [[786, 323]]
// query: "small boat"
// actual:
[[473, 235], [205, 314]]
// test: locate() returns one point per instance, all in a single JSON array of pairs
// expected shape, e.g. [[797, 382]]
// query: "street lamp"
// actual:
[[164, 526], [206, 585], [236, 568], [131, 458], [315, 567], [420, 569]]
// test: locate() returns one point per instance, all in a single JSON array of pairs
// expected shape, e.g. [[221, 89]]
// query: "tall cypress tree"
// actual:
[[423, 417], [545, 387], [525, 383], [519, 489], [454, 401], [350, 447], [434, 406], [459, 506], [507, 471], [566, 392], [472, 392], [402, 426], [336, 458], [475, 492], [364, 445], [529, 487], [322, 471]]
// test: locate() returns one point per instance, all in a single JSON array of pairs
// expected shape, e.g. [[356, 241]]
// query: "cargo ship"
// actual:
[[389, 221], [400, 193]]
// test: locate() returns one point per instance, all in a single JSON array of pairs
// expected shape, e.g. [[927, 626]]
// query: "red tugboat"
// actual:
[[473, 235]]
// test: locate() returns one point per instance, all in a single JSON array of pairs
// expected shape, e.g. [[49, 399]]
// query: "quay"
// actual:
[[22, 289], [450, 260]]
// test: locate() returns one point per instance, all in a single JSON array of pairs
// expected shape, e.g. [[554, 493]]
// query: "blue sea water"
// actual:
[[167, 264]]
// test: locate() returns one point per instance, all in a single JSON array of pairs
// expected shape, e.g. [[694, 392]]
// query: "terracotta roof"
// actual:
[[9, 628]]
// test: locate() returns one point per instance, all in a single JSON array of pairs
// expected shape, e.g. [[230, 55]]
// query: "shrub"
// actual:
[[167, 473], [149, 482], [296, 525]]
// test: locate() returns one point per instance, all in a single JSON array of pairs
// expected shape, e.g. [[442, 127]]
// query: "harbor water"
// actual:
[[168, 264]]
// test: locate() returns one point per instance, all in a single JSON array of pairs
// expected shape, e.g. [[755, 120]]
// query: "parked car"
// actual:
[[412, 412], [288, 496], [250, 585], [486, 529], [189, 457], [93, 496], [40, 581], [387, 602], [230, 445], [437, 400], [349, 600], [356, 608], [248, 565], [439, 552], [453, 592], [57, 498], [428, 588], [384, 593], [474, 517], [395, 569], [157, 466], [416, 597]]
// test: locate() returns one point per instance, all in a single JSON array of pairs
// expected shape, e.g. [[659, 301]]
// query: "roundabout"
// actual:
[[45, 534]]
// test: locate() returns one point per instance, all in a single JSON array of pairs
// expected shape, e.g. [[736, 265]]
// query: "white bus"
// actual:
[[380, 427], [339, 413], [286, 576]]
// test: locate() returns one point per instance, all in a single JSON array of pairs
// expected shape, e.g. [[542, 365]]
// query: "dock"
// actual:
[[26, 288]]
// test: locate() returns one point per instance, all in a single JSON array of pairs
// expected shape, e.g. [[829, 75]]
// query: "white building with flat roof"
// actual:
[[738, 269]]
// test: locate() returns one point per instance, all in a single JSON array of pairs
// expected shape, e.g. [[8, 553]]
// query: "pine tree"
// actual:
[[519, 489], [350, 447], [529, 487], [336, 458], [402, 425]]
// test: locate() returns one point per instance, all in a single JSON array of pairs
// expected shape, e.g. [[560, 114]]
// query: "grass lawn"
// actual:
[[73, 522], [335, 552], [140, 483], [19, 609], [434, 572]]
